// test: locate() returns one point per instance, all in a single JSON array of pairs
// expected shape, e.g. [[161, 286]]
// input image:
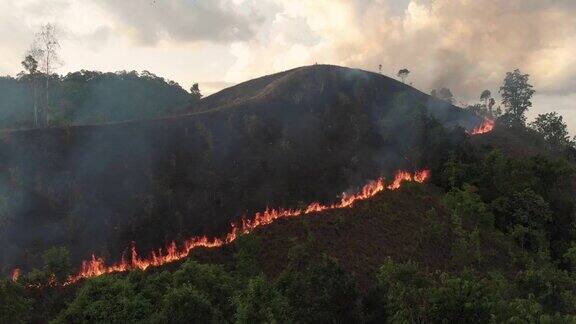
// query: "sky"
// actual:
[[465, 45]]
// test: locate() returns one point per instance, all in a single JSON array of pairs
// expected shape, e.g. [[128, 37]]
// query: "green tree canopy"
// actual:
[[516, 95], [553, 128]]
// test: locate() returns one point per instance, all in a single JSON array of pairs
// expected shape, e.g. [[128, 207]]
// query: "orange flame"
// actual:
[[15, 274], [486, 127], [96, 265]]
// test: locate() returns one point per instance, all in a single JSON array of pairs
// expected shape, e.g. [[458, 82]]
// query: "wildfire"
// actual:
[[486, 127], [15, 274], [96, 265]]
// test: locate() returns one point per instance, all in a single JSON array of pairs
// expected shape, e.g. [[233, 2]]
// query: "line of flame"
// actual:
[[96, 265]]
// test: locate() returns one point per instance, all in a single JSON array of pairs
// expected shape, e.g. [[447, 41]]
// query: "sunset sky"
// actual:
[[465, 45]]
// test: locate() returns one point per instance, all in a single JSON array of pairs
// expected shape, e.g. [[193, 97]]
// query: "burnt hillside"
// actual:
[[318, 85], [282, 140]]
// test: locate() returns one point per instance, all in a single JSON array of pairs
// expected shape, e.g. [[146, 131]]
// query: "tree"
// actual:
[[107, 299], [401, 289], [443, 94], [260, 302], [529, 217], [212, 281], [187, 305], [485, 107], [516, 95], [30, 64], [320, 291], [488, 102], [403, 74], [15, 307], [47, 40], [248, 255], [462, 300], [57, 263], [485, 95], [552, 127], [195, 92]]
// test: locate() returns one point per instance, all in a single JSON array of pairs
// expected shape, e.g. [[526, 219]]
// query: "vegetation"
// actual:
[[516, 95], [498, 214]]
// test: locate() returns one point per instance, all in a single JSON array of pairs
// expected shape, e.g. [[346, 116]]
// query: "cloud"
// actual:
[[149, 22]]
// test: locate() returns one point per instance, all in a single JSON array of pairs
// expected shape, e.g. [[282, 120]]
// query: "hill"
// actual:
[[487, 238], [416, 249], [307, 88], [287, 139]]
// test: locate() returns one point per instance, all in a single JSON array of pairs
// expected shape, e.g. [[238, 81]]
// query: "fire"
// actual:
[[96, 266], [486, 127], [15, 274]]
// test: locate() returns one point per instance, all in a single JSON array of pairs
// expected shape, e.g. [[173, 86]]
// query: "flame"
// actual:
[[15, 274], [486, 127], [96, 266]]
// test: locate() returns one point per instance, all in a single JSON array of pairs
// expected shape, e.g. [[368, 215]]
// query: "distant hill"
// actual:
[[90, 97], [287, 139]]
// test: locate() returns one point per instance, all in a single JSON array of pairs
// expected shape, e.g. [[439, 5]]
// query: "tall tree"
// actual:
[[403, 74], [47, 40], [195, 92], [30, 64], [485, 95], [487, 103], [516, 95]]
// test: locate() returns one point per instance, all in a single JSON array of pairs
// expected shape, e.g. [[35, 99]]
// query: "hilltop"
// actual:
[[311, 87]]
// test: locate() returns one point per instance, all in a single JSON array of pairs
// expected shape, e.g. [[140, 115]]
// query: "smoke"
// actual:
[[467, 46]]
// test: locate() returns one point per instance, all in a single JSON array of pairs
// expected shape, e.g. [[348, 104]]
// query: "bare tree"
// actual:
[[47, 41], [30, 64], [403, 74]]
